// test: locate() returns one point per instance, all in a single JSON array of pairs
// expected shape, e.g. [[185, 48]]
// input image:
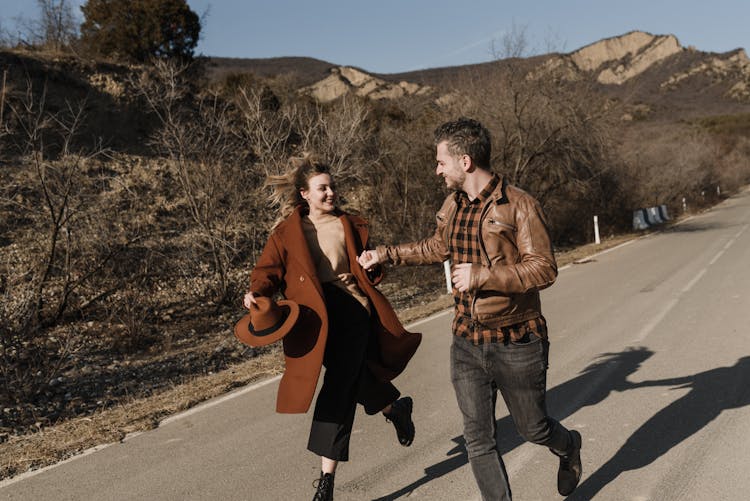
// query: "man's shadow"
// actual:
[[608, 373], [711, 393]]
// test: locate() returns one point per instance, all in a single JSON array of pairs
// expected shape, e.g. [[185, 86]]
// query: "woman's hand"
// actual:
[[248, 300]]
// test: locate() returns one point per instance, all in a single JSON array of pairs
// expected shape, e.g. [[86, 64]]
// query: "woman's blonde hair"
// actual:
[[287, 186]]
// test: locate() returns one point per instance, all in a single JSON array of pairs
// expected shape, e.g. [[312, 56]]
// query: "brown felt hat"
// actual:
[[267, 322]]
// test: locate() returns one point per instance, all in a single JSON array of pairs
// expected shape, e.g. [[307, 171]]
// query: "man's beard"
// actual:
[[455, 182]]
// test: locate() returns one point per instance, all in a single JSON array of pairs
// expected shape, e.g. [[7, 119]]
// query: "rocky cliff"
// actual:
[[618, 59], [345, 79]]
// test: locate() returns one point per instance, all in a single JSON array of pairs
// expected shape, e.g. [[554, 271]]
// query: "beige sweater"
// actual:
[[325, 238]]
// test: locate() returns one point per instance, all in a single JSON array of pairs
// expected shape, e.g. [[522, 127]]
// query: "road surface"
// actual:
[[650, 361]]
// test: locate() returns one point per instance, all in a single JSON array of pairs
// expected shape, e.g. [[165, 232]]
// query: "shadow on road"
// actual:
[[698, 226], [608, 373], [711, 392]]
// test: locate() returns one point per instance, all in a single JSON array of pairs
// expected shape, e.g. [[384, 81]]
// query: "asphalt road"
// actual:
[[650, 361]]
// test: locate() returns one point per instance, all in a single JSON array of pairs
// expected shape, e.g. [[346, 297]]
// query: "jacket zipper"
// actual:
[[483, 250], [501, 224]]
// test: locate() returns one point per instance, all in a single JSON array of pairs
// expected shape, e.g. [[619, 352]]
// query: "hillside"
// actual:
[[104, 87], [305, 70], [651, 71], [133, 205]]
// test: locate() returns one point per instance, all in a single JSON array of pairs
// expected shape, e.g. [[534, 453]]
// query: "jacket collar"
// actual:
[[291, 233], [499, 194]]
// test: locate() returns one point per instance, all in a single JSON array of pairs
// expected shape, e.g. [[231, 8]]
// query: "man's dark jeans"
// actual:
[[519, 372]]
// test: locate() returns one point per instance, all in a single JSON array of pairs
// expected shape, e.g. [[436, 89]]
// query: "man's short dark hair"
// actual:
[[466, 136]]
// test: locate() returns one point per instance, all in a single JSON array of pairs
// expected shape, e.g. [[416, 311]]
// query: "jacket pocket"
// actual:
[[497, 224]]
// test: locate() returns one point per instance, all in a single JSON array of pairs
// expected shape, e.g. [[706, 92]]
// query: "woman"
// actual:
[[344, 323]]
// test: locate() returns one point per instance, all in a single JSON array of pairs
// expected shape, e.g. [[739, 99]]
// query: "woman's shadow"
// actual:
[[711, 392], [608, 373]]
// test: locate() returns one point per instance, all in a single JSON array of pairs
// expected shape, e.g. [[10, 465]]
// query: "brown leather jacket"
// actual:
[[517, 256]]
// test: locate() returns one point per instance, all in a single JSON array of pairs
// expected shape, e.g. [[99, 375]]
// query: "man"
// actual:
[[497, 238]]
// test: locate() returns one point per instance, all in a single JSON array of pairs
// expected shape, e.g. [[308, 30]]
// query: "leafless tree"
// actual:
[[55, 26], [406, 192], [62, 203], [666, 162], [269, 128], [340, 132], [549, 134], [512, 44], [3, 88], [344, 139], [198, 135], [70, 234]]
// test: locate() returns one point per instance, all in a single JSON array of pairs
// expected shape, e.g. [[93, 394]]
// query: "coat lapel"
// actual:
[[353, 240], [296, 245]]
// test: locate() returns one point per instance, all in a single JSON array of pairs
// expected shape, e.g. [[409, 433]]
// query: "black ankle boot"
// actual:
[[400, 416], [325, 487]]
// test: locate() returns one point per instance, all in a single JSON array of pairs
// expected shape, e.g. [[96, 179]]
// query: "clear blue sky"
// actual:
[[390, 36]]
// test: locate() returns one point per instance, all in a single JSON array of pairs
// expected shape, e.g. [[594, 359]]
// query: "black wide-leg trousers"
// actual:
[[348, 380]]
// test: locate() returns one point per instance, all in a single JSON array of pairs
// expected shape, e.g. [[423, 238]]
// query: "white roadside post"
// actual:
[[596, 230], [684, 205], [447, 266]]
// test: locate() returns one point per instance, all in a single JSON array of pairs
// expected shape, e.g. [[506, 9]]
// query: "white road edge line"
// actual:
[[253, 387], [216, 401], [32, 473], [176, 417]]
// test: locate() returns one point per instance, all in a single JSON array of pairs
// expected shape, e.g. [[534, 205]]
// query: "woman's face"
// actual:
[[320, 194]]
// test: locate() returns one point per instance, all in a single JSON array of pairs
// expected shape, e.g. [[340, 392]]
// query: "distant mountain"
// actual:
[[637, 67], [306, 70]]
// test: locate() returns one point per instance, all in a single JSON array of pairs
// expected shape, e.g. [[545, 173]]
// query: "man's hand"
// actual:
[[461, 276], [368, 259]]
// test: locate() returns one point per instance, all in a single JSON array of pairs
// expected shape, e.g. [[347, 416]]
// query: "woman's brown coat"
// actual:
[[286, 266]]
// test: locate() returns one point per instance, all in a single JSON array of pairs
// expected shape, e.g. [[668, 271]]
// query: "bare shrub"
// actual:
[[3, 88], [54, 28], [734, 166], [209, 160], [57, 24], [550, 137], [268, 129], [665, 163], [133, 311], [343, 137], [54, 198], [405, 192], [341, 132]]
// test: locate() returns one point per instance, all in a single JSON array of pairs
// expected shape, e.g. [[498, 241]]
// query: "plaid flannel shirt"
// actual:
[[464, 248]]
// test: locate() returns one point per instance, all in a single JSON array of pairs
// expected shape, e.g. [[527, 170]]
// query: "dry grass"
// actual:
[[572, 256], [55, 443]]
